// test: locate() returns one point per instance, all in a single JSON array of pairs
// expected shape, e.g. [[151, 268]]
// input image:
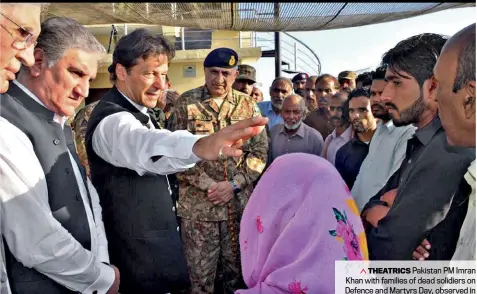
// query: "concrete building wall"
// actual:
[[179, 71]]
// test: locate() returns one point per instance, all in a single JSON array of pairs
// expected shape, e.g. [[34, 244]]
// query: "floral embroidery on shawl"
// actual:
[[344, 230], [260, 227], [295, 287]]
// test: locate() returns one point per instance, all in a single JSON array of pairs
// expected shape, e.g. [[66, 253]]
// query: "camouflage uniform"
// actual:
[[205, 232], [79, 125], [158, 115]]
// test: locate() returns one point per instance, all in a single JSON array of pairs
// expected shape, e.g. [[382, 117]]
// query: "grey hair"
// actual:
[[59, 34], [300, 99], [286, 80], [466, 60]]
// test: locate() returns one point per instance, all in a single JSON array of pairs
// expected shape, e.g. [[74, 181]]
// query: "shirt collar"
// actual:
[[472, 170], [426, 133], [389, 125], [300, 132], [141, 108], [56, 118], [229, 96], [345, 134], [269, 107]]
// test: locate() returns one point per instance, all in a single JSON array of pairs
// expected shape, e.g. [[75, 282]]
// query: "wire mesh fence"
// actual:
[[260, 17]]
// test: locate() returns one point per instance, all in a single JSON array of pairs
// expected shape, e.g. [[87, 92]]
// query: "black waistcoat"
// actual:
[[138, 215], [50, 143]]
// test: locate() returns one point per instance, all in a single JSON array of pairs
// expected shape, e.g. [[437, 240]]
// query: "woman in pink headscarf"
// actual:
[[299, 220]]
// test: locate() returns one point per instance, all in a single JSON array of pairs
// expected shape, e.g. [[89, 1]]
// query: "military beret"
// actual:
[[221, 57], [300, 77]]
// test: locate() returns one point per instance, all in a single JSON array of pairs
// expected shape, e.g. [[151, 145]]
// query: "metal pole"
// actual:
[[240, 39], [183, 38], [278, 57], [125, 29]]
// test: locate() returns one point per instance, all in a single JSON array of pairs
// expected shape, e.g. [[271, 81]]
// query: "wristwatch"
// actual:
[[235, 186]]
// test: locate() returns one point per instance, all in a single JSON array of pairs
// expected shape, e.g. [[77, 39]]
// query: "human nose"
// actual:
[[386, 94], [82, 90], [26, 56], [353, 115], [160, 83]]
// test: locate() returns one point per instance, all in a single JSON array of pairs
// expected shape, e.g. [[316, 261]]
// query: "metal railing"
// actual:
[[296, 55]]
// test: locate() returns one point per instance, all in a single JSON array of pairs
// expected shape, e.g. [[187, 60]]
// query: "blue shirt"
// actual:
[[267, 110]]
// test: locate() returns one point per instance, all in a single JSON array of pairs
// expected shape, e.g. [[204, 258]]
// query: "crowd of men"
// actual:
[[142, 191]]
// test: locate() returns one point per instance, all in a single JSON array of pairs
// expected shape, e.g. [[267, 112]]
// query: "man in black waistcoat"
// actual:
[[129, 158], [17, 49], [51, 217]]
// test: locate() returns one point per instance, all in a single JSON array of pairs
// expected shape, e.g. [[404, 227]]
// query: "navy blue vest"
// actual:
[[50, 143], [138, 215]]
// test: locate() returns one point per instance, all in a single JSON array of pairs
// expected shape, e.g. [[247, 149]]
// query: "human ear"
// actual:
[[41, 62], [469, 101], [121, 72]]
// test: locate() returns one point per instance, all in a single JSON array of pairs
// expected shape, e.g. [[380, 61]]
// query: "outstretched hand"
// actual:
[[229, 139]]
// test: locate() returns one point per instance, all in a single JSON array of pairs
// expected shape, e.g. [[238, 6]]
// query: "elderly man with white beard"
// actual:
[[293, 135]]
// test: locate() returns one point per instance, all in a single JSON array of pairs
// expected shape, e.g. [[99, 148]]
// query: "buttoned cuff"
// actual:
[[103, 282]]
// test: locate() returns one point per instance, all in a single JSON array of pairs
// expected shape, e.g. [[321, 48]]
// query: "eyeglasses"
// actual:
[[21, 42]]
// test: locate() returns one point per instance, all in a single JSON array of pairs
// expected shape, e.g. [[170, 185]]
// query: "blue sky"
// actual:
[[361, 47], [264, 10]]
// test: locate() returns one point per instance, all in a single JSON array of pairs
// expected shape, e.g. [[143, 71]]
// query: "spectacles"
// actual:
[[21, 42]]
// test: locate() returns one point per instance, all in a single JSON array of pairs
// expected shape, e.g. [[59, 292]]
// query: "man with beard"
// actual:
[[427, 197], [310, 98], [281, 87], [294, 136], [339, 119], [386, 150], [245, 80], [299, 81], [326, 86], [213, 194], [455, 73], [351, 155]]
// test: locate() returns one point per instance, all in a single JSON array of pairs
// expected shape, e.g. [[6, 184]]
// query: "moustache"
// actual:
[[377, 106], [335, 118], [391, 105]]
